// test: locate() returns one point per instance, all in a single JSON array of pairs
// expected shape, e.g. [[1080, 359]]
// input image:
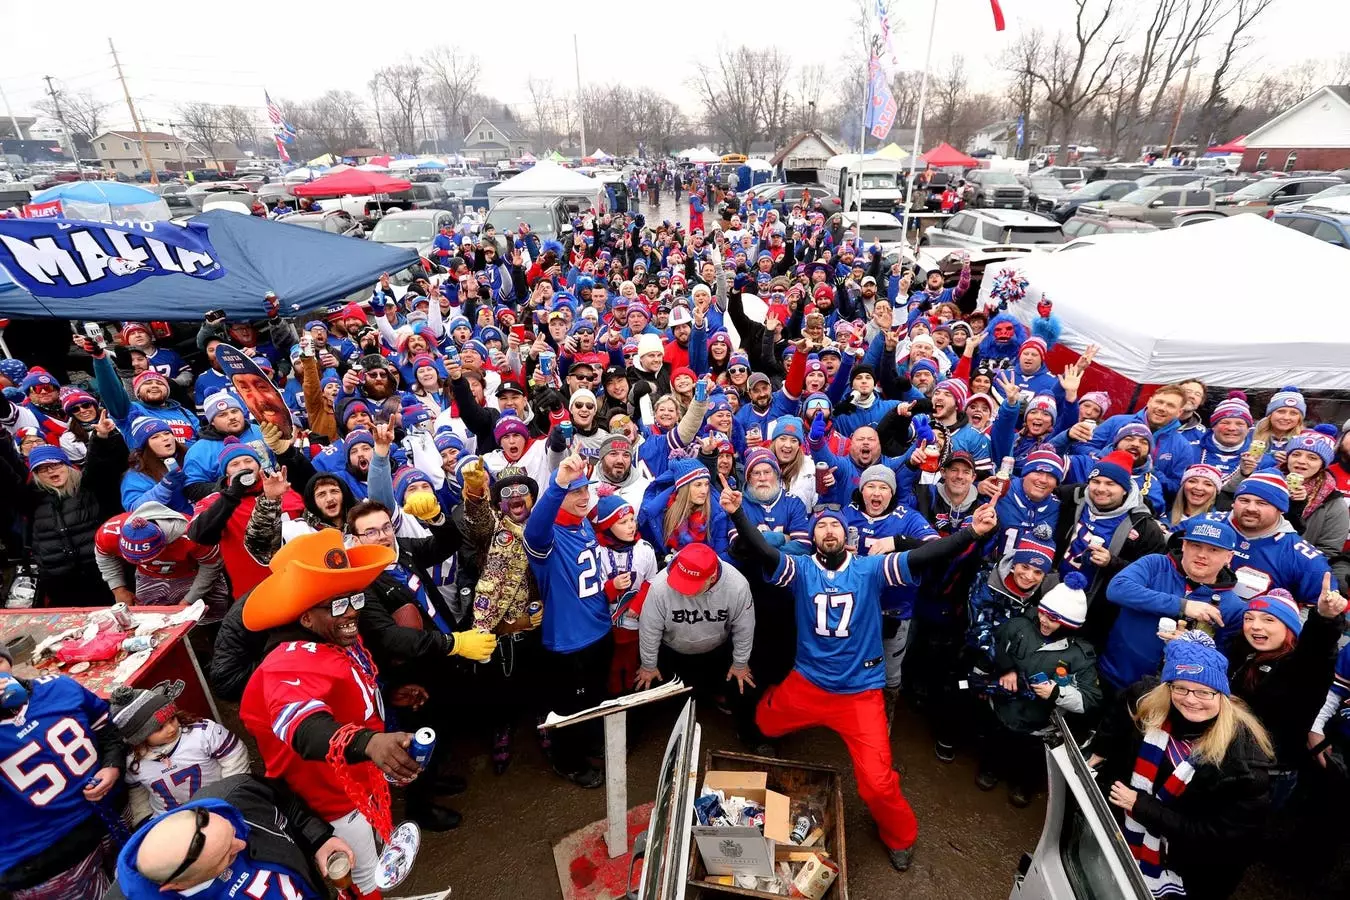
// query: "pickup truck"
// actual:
[[479, 199], [1160, 205]]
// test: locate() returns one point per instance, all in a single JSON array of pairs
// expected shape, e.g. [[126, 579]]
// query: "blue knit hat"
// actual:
[[14, 370], [1116, 466], [1192, 656], [144, 428], [608, 510], [787, 426], [415, 415], [233, 448], [405, 478], [687, 471], [1031, 552], [38, 378], [459, 322], [141, 540], [925, 365], [359, 436], [1314, 441], [218, 402], [1043, 458], [1287, 397], [477, 347], [1134, 429], [491, 333], [43, 454], [761, 455], [1268, 485], [447, 440], [827, 513], [1280, 604]]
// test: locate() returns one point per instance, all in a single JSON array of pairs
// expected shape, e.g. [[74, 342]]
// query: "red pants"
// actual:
[[860, 719]]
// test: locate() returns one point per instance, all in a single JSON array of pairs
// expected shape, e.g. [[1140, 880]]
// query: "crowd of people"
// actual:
[[547, 475]]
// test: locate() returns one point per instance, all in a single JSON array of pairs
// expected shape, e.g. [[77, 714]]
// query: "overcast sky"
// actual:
[[172, 55]]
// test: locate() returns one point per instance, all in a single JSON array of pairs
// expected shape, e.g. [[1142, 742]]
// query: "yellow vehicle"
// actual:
[[734, 158]]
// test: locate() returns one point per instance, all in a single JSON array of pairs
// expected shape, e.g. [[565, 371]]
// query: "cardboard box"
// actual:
[[743, 849]]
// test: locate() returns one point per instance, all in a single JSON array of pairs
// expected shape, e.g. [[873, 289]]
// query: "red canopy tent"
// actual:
[[1236, 145], [944, 155], [352, 181]]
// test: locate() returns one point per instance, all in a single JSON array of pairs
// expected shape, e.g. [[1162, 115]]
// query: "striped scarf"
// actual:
[[1148, 849]]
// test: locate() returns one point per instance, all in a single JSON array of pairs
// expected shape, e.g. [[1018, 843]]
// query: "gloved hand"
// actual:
[[272, 437], [818, 428], [475, 479], [241, 484], [377, 303], [174, 477], [774, 538], [423, 505], [474, 645]]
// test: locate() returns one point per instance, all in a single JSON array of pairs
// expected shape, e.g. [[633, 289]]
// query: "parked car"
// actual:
[[1270, 192], [270, 195], [1155, 205], [1318, 199], [548, 217], [457, 187], [197, 193], [998, 190], [1328, 221], [1081, 226], [873, 228], [478, 198], [1223, 186], [1043, 192], [975, 228], [1165, 179], [1072, 177], [422, 195], [415, 228], [1091, 192], [792, 193], [333, 221], [173, 194]]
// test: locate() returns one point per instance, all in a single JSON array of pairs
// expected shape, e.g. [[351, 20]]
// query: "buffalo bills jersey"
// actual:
[[785, 515], [164, 361], [839, 617], [566, 564], [194, 760], [902, 522], [1280, 560], [179, 559], [48, 753]]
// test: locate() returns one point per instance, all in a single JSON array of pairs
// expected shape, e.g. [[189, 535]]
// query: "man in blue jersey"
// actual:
[[60, 756], [577, 635], [840, 670]]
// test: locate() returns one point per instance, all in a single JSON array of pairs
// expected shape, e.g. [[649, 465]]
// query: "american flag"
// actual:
[[285, 133]]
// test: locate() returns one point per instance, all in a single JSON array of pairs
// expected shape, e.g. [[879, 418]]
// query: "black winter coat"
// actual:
[[1213, 828]]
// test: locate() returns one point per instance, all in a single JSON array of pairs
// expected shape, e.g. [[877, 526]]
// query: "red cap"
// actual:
[[690, 568]]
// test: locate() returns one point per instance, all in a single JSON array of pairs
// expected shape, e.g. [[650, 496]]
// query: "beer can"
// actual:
[[137, 643], [423, 743], [534, 608], [123, 618]]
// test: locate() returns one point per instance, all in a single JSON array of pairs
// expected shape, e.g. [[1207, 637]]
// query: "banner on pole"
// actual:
[[881, 108], [50, 210]]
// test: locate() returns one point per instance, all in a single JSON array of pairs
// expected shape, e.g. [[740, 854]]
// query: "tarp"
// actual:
[[353, 181], [306, 267], [944, 155], [1236, 145], [547, 179], [556, 157], [892, 151], [1175, 304], [106, 201]]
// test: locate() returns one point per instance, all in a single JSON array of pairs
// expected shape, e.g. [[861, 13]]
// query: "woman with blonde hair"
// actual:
[[679, 509], [1284, 419], [1186, 766], [1200, 486]]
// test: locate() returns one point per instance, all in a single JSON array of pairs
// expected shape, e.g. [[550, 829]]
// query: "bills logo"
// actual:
[[1188, 668]]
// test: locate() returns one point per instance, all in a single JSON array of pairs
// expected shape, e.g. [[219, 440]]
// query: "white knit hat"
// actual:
[[1067, 601]]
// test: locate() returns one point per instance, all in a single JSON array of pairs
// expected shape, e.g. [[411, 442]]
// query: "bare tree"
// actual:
[[1114, 105], [403, 87], [905, 90], [729, 90], [236, 126], [809, 96], [950, 89], [1077, 69], [1022, 61], [543, 106], [81, 112], [454, 80], [774, 93], [331, 123], [204, 124], [1169, 38], [1217, 110]]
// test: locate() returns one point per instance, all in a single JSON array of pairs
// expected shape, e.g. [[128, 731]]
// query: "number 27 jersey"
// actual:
[[839, 617], [48, 753]]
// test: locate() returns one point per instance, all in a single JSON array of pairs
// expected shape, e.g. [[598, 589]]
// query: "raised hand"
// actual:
[[275, 485], [104, 426], [384, 437], [1330, 604], [570, 469]]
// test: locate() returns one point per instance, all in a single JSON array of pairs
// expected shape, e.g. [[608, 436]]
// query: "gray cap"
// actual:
[[878, 473], [137, 714], [756, 378]]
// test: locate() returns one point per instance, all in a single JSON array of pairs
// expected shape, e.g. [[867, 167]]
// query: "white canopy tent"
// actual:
[[1195, 302], [700, 155], [548, 179]]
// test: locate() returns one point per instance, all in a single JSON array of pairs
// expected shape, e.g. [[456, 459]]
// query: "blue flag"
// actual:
[[69, 258]]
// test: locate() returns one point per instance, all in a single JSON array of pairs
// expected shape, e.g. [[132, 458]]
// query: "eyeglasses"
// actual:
[[374, 534], [195, 847], [738, 370], [1200, 693], [512, 491], [583, 405], [339, 605]]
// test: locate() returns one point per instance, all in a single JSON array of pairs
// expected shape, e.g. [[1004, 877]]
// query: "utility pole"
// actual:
[[581, 109], [9, 111], [182, 162], [65, 130], [1181, 106], [135, 122], [379, 120]]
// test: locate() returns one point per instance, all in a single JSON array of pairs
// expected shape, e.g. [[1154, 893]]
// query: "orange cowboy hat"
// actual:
[[309, 570]]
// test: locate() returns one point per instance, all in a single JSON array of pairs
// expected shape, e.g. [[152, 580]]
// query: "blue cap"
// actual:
[[1212, 529], [43, 454]]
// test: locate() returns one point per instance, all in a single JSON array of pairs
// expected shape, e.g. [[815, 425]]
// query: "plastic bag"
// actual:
[[104, 645]]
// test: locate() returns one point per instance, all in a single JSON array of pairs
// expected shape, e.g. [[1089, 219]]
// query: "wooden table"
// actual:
[[172, 658]]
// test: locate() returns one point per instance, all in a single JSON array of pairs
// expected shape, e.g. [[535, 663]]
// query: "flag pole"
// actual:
[[918, 128]]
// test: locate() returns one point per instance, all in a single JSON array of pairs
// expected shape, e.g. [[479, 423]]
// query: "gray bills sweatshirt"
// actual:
[[693, 625]]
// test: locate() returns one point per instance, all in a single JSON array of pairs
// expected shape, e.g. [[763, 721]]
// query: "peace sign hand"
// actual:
[[104, 426], [730, 500]]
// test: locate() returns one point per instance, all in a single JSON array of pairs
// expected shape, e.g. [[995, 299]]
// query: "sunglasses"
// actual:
[[738, 370], [79, 406], [195, 847], [339, 605], [583, 406], [512, 491], [377, 373]]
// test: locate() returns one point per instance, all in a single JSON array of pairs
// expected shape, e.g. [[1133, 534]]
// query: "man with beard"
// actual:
[[864, 451], [617, 466], [685, 333], [756, 416], [1270, 553], [771, 509], [374, 380], [44, 403], [226, 419], [935, 290], [839, 673], [327, 499], [151, 390], [949, 402]]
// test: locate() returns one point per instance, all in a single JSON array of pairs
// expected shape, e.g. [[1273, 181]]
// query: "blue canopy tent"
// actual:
[[307, 269], [104, 201]]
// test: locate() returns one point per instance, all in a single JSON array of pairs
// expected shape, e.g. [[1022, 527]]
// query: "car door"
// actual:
[[956, 233], [1161, 209]]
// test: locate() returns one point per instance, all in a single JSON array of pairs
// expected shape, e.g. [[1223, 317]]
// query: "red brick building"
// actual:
[[1312, 134]]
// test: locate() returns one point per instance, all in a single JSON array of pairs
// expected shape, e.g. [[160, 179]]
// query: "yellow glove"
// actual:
[[273, 439], [474, 645], [423, 505], [475, 480]]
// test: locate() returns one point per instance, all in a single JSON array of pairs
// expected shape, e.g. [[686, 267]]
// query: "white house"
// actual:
[[808, 150], [1312, 134], [493, 141]]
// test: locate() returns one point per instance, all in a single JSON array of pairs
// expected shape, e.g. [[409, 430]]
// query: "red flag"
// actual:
[[999, 24], [281, 150]]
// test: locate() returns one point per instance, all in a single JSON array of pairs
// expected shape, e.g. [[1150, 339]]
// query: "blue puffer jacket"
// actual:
[[1172, 452]]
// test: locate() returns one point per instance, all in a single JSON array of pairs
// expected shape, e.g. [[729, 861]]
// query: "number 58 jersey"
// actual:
[[839, 617], [48, 753], [296, 680]]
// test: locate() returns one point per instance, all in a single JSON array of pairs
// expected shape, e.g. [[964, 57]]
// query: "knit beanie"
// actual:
[[405, 478], [44, 454], [687, 471], [648, 343], [72, 397], [616, 441], [1207, 472], [218, 402], [581, 394], [37, 377], [1034, 343], [878, 473], [957, 389], [1066, 602], [1287, 397], [141, 540], [143, 377], [760, 455], [1280, 604], [1043, 403], [1043, 458], [924, 365], [1101, 398], [608, 510], [787, 426], [1192, 656], [1268, 485], [1031, 552], [445, 439], [1233, 407], [1313, 441], [232, 448], [1134, 429], [509, 423], [137, 714], [1116, 466]]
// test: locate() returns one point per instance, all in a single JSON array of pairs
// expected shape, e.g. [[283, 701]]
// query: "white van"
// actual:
[[877, 184]]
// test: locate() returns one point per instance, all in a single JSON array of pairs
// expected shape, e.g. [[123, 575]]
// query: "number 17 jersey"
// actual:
[[48, 753], [839, 617]]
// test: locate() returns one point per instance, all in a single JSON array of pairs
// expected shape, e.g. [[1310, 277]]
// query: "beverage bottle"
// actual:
[[1004, 476], [930, 458]]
